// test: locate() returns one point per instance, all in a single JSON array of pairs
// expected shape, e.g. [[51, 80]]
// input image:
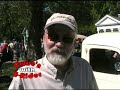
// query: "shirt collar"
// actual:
[[53, 69], [47, 64]]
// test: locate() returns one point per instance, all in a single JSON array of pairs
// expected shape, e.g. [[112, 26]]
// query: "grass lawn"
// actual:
[[6, 71]]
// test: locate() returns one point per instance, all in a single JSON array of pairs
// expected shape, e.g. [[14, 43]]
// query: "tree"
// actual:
[[14, 17], [32, 15], [36, 27]]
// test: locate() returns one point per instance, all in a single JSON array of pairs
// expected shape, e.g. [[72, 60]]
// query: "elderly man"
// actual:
[[59, 69]]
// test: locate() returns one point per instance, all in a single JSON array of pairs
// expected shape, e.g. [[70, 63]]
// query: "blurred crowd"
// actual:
[[12, 51]]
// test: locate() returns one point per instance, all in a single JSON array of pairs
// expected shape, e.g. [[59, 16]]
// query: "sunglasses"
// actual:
[[56, 38]]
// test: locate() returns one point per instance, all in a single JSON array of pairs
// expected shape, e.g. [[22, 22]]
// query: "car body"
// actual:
[[102, 51]]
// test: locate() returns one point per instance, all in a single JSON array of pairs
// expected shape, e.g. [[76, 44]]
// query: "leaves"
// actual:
[[13, 18], [16, 15]]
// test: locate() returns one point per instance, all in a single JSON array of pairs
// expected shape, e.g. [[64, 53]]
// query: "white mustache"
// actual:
[[59, 50]]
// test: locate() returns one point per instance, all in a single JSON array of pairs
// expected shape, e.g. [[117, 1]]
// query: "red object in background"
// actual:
[[3, 47]]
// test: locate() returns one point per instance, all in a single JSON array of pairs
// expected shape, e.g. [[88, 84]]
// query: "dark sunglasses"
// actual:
[[54, 37]]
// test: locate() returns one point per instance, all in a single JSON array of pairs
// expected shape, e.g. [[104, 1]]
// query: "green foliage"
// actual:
[[7, 69], [14, 16], [87, 13]]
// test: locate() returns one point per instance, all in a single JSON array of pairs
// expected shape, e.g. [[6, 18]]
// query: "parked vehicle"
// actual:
[[102, 51]]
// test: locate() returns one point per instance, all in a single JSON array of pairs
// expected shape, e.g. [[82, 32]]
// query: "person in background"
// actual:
[[4, 52], [59, 69], [16, 50], [10, 51]]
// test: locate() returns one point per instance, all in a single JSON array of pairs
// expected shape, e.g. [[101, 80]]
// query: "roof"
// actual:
[[108, 20], [106, 39], [118, 18]]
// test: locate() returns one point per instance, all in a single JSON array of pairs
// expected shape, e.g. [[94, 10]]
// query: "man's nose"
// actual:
[[60, 42]]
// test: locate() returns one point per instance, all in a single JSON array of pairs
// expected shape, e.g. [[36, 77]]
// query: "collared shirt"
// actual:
[[78, 76]]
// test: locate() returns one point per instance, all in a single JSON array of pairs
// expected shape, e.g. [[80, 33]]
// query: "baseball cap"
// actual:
[[58, 18]]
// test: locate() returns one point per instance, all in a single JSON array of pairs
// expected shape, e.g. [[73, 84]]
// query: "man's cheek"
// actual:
[[50, 45]]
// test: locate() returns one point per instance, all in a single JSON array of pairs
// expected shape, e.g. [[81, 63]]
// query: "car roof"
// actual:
[[107, 39]]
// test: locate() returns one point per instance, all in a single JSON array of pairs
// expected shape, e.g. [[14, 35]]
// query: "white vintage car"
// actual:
[[102, 51]]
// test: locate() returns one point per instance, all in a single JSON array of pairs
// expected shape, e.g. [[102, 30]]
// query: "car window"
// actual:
[[106, 61]]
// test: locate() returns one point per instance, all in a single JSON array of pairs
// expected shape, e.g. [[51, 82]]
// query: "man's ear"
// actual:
[[75, 43]]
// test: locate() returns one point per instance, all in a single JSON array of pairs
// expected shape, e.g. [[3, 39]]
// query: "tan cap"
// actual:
[[65, 19]]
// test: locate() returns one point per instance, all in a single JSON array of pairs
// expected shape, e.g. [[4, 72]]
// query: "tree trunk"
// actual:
[[36, 28]]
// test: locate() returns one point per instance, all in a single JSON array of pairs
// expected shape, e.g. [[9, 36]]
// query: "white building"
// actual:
[[108, 24]]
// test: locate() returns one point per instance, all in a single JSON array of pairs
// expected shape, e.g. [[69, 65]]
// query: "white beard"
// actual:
[[58, 56], [57, 59]]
